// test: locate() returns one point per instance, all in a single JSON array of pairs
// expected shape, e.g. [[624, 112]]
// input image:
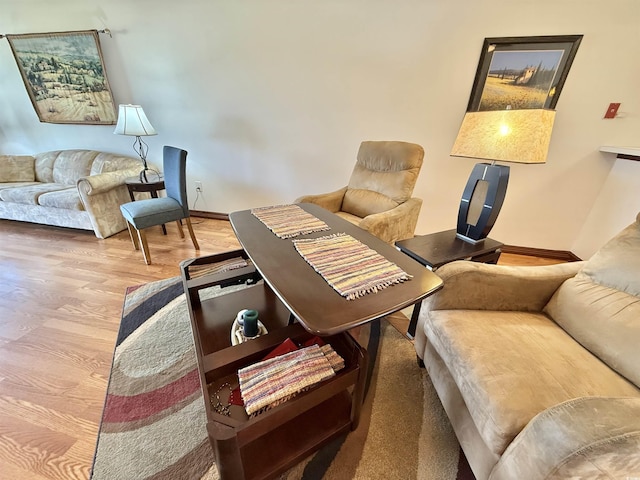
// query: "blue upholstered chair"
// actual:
[[147, 213]]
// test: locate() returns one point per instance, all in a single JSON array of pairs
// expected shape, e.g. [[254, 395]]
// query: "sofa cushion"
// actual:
[[600, 306], [44, 166], [29, 194], [64, 166], [67, 198], [109, 162], [70, 165], [566, 441], [509, 366], [15, 184], [17, 168], [617, 263]]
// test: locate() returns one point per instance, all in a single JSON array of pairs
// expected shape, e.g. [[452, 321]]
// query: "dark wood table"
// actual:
[[280, 284], [262, 447], [310, 299], [437, 249], [153, 186]]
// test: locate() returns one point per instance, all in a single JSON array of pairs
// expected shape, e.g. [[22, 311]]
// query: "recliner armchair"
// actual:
[[378, 196], [538, 367]]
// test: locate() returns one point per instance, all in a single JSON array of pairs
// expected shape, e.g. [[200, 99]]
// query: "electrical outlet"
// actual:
[[198, 186]]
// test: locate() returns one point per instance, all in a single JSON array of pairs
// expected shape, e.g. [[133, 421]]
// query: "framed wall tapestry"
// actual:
[[522, 72], [65, 77]]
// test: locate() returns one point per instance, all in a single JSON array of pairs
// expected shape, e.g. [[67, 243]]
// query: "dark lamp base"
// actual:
[[481, 201]]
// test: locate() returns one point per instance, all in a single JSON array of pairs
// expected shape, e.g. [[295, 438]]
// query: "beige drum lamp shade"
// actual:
[[521, 136]]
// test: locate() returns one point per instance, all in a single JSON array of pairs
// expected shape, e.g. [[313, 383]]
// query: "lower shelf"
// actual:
[[264, 446], [287, 445]]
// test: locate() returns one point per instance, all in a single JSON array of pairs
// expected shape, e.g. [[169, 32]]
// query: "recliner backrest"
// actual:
[[384, 177]]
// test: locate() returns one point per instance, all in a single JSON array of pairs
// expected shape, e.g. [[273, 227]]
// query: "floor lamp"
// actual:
[[520, 136], [133, 121]]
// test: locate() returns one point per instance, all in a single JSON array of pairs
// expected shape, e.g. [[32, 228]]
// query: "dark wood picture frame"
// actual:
[[522, 72], [65, 77]]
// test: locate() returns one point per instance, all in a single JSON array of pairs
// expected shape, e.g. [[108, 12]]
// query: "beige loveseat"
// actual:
[[538, 368], [68, 188]]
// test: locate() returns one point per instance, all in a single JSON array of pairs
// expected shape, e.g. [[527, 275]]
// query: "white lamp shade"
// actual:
[[521, 136], [133, 121]]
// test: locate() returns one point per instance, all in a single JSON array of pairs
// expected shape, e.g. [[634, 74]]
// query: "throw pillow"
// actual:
[[17, 168]]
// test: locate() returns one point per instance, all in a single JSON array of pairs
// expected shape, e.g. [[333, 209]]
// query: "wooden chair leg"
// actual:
[[191, 234], [180, 231], [133, 236], [145, 247]]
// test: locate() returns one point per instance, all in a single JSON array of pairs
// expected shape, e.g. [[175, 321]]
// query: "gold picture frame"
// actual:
[[65, 77]]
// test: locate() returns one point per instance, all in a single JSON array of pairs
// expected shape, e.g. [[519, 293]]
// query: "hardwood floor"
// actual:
[[61, 294]]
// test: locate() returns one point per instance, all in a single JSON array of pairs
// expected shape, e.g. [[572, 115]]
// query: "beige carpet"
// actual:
[[153, 422], [404, 433]]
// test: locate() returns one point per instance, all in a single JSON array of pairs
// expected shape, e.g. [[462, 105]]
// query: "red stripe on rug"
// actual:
[[133, 288], [120, 408]]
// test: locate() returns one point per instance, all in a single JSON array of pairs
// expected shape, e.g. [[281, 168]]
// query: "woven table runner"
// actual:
[[288, 221], [269, 383], [349, 266], [197, 271]]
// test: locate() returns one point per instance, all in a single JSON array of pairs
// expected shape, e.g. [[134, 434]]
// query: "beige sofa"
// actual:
[[68, 188], [538, 368]]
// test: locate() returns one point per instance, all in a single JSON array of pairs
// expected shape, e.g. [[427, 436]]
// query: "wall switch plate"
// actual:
[[612, 110]]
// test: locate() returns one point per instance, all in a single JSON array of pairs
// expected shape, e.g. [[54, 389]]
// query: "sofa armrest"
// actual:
[[396, 224], [584, 437], [329, 201], [481, 286], [103, 182], [102, 196]]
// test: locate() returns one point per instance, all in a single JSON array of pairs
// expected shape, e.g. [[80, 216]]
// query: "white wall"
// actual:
[[615, 208], [272, 98]]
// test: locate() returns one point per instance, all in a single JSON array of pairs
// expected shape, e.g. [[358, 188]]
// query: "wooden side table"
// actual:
[[437, 249], [134, 184]]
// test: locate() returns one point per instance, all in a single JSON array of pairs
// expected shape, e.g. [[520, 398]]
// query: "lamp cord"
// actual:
[[194, 205]]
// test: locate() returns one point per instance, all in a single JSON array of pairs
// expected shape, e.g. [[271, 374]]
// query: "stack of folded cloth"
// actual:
[[196, 271], [271, 382]]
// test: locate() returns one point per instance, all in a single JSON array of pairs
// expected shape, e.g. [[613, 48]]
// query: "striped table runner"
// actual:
[[269, 383], [196, 271], [350, 267], [288, 221]]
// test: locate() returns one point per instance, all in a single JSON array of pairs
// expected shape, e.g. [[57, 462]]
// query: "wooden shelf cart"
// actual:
[[266, 445]]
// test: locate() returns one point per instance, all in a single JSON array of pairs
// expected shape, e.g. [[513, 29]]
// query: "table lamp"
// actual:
[[132, 121], [520, 136]]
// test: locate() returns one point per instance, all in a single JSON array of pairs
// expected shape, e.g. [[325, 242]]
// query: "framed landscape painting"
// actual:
[[522, 72], [65, 77]]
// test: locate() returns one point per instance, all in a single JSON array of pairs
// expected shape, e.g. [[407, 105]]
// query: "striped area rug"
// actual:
[[287, 221], [153, 424], [349, 266]]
